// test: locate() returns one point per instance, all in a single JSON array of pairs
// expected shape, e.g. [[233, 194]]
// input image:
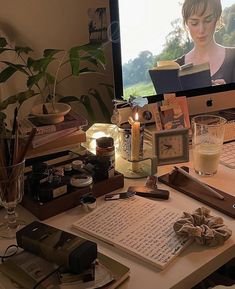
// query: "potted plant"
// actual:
[[83, 59]]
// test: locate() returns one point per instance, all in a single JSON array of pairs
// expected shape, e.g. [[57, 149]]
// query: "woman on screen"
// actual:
[[202, 18]]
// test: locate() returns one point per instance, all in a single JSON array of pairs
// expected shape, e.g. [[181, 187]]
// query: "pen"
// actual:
[[209, 189], [118, 196]]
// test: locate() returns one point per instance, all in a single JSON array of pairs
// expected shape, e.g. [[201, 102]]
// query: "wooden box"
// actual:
[[65, 202], [71, 199]]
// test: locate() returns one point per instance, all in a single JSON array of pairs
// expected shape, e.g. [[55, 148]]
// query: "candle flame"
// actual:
[[136, 116]]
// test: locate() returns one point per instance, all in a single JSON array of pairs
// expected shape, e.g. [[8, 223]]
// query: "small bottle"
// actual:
[[105, 149]]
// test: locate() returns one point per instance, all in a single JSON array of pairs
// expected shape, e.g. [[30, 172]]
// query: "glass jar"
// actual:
[[105, 150]]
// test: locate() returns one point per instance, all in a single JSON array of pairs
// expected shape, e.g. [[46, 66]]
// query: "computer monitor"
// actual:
[[144, 32]]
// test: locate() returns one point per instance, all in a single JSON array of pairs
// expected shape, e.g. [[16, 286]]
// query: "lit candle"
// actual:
[[135, 141]]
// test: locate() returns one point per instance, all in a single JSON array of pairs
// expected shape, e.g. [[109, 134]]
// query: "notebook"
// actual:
[[139, 226]]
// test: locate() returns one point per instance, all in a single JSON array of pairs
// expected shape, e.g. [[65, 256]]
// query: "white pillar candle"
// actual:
[[135, 141]]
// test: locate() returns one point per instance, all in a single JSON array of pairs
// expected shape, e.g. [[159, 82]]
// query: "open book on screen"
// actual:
[[169, 76]]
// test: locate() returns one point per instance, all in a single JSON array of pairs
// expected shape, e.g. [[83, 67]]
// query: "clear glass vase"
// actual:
[[11, 193]]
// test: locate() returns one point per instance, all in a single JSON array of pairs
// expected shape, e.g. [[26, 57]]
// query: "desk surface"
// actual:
[[186, 270]]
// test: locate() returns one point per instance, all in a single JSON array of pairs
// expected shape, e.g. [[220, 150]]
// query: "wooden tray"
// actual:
[[197, 192], [72, 199]]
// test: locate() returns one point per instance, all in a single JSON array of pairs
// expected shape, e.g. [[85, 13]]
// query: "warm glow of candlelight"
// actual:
[[136, 116]]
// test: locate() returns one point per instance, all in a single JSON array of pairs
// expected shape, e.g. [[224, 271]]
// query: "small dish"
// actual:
[[55, 113]]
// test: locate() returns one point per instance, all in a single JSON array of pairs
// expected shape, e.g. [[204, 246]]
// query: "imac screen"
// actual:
[[163, 48]]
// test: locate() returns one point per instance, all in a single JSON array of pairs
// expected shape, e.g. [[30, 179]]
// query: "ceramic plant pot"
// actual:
[[47, 113]]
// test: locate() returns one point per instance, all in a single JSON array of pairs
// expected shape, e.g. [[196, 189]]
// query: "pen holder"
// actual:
[[146, 166], [11, 193]]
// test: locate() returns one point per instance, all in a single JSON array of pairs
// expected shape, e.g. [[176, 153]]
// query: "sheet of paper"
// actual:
[[140, 226]]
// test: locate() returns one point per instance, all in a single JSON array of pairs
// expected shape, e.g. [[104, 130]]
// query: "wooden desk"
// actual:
[[186, 270]]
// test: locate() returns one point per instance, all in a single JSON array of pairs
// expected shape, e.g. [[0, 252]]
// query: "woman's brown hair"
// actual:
[[191, 7]]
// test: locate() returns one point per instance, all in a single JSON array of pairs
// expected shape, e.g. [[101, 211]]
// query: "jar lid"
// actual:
[[80, 181], [77, 164], [104, 142]]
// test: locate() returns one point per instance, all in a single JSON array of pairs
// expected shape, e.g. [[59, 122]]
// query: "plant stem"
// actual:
[[55, 82]]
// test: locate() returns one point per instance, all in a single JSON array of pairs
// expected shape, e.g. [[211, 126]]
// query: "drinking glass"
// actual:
[[11, 193], [207, 141]]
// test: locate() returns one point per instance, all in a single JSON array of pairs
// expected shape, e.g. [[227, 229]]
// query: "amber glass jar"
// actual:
[[106, 150]]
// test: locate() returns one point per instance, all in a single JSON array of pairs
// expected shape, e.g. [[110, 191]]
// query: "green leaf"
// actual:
[[74, 60], [103, 107], [68, 99], [15, 98], [109, 88], [51, 52], [90, 47], [17, 67], [85, 100], [4, 49], [7, 73], [40, 64], [30, 61], [94, 51], [10, 100], [99, 56], [3, 42], [20, 49], [89, 59], [32, 80], [22, 96], [86, 70]]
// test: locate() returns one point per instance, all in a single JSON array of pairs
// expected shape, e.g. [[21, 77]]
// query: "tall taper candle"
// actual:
[[135, 141]]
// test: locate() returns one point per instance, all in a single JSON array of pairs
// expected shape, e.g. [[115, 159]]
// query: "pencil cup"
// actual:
[[11, 193], [207, 141]]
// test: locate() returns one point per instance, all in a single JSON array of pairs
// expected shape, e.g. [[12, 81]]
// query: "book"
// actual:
[[72, 119], [139, 226], [120, 272], [62, 143], [169, 76], [25, 270], [43, 139]]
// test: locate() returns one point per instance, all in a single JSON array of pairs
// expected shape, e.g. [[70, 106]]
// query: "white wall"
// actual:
[[44, 24]]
